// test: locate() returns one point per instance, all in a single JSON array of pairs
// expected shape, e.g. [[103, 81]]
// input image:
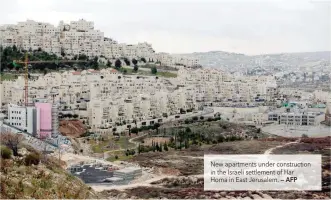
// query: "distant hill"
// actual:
[[226, 60]]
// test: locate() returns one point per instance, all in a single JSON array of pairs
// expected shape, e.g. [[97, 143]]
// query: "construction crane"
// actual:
[[26, 62]]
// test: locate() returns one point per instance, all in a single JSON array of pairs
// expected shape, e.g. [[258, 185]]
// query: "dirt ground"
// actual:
[[189, 162], [72, 128], [314, 146]]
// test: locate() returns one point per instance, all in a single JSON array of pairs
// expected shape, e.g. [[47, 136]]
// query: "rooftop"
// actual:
[[128, 170]]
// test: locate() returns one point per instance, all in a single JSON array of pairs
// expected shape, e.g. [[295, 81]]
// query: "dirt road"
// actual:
[[269, 151], [146, 183]]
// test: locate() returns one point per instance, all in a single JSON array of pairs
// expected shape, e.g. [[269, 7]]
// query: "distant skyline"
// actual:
[[185, 26]]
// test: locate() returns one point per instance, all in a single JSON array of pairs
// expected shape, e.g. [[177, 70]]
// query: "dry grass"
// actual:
[[46, 180]]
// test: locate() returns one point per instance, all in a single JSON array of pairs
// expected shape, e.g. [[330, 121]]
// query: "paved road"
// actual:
[[93, 175]]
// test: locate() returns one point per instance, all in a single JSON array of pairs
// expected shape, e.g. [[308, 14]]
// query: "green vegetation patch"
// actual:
[[167, 74]]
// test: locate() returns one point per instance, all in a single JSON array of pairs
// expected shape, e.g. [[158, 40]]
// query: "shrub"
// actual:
[[116, 157], [134, 130], [32, 158], [5, 152], [201, 118]]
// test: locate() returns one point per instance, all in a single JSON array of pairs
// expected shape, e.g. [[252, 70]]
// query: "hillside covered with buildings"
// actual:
[[80, 38]]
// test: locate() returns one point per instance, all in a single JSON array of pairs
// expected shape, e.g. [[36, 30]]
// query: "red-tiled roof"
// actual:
[[76, 73]]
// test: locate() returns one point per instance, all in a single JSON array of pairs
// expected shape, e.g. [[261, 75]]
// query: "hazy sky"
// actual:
[[184, 26]]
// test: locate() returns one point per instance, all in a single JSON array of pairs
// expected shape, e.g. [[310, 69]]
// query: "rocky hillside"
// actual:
[[72, 128], [45, 179]]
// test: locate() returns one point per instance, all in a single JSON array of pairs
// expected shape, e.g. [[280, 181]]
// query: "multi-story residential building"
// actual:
[[301, 119], [104, 99], [80, 37]]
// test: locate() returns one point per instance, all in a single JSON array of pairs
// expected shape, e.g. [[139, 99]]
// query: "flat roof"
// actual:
[[114, 179], [128, 169]]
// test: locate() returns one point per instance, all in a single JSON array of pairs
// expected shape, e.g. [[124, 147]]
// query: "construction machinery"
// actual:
[[26, 62]]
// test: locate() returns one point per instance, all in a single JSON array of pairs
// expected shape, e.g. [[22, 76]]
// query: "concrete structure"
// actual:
[[301, 119], [120, 101], [128, 174], [78, 38], [38, 120]]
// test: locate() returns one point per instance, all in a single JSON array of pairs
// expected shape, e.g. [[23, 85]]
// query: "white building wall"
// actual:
[[17, 116]]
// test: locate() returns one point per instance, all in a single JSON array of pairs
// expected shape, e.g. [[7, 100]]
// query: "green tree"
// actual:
[[118, 63], [127, 61], [139, 149], [156, 126], [134, 61], [153, 70], [157, 147], [94, 63], [62, 52], [15, 48], [165, 147], [109, 63], [82, 57], [135, 68], [143, 60]]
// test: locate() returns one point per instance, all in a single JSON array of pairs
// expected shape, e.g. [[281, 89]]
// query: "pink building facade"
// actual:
[[44, 119]]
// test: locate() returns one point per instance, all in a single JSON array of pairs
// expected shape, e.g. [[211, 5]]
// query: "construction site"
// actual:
[[36, 118]]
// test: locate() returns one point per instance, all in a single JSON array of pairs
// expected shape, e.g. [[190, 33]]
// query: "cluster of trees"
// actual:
[[130, 152], [182, 111], [145, 128], [184, 137], [9, 54], [196, 118], [118, 63], [154, 147]]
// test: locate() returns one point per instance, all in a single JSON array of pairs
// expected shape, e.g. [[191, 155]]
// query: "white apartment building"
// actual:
[[104, 99], [77, 38], [302, 119]]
